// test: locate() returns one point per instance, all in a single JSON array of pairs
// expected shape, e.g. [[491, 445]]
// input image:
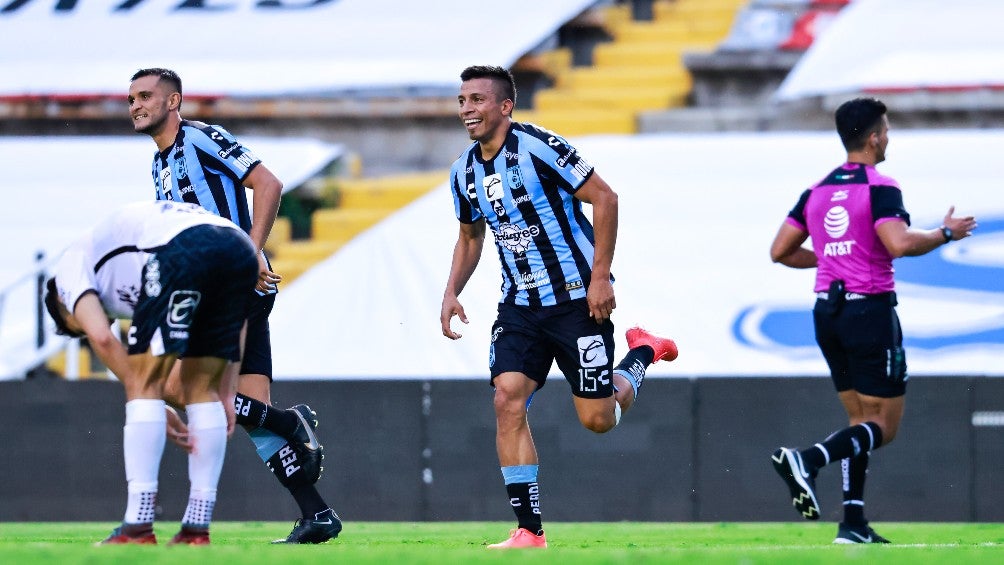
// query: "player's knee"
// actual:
[[598, 422], [508, 402]]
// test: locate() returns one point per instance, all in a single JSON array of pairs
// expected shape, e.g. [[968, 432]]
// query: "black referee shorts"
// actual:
[[863, 345]]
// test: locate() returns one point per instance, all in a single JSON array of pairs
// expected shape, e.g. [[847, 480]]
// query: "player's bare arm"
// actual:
[[787, 248], [903, 241], [466, 254], [266, 194], [89, 317], [600, 295]]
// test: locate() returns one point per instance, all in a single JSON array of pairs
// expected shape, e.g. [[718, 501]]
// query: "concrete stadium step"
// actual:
[[668, 53], [579, 122], [391, 192], [624, 77], [631, 99], [676, 30]]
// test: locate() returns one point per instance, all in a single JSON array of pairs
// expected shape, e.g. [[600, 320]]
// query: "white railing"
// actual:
[[27, 336]]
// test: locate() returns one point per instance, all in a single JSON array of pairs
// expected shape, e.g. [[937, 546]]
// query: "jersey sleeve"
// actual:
[[224, 151], [887, 204], [466, 211], [796, 217], [562, 161]]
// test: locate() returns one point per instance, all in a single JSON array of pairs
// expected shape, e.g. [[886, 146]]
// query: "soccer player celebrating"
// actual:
[[858, 225], [528, 185], [184, 277], [205, 165]]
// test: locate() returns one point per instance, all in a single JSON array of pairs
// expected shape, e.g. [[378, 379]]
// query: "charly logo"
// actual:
[[592, 351], [515, 238], [493, 187], [181, 308], [836, 222]]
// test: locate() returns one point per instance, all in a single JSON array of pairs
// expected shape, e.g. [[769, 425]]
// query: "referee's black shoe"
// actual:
[[323, 527], [858, 534], [305, 442], [802, 483]]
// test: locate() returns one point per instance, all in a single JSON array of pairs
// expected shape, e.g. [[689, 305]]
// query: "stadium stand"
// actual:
[[641, 68]]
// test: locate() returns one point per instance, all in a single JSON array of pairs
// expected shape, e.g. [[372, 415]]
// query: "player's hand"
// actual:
[[228, 407], [961, 226], [177, 430], [266, 278], [451, 308], [600, 298]]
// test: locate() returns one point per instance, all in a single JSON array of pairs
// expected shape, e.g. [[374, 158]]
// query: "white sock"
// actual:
[[207, 427], [143, 438]]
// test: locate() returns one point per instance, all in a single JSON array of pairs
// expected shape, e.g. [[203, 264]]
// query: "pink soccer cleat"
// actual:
[[139, 534], [664, 348], [190, 536], [521, 538]]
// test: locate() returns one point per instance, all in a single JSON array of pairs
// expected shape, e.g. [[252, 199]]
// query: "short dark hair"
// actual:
[[51, 301], [164, 74], [857, 119], [499, 75]]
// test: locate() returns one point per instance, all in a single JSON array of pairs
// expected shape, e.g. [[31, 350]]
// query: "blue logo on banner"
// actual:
[[974, 264]]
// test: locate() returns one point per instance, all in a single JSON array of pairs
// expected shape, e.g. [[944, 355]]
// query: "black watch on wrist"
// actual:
[[947, 233]]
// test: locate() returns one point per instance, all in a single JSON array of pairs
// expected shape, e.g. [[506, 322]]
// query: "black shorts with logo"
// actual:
[[528, 340], [194, 295], [863, 345]]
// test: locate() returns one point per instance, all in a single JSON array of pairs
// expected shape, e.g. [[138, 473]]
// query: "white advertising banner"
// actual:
[[903, 44], [697, 217], [264, 47]]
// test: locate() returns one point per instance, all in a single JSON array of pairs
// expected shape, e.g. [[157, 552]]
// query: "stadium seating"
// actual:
[[360, 204], [641, 69]]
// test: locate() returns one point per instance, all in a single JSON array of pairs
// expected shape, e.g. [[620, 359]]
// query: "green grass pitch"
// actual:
[[463, 542]]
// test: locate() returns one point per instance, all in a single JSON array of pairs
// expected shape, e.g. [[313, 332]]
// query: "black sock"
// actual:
[[253, 414], [855, 470], [287, 468], [309, 500], [848, 442], [525, 501], [644, 354]]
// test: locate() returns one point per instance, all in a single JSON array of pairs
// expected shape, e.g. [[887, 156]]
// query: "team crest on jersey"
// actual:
[[515, 175], [128, 294], [181, 169]]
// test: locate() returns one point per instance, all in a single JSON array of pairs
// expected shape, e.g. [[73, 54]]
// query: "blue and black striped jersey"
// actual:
[[526, 195], [206, 166]]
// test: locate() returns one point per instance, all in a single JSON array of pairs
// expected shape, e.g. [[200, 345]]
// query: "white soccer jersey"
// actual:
[[109, 259]]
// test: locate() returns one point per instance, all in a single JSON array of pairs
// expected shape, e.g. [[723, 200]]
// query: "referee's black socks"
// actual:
[[848, 442], [252, 413]]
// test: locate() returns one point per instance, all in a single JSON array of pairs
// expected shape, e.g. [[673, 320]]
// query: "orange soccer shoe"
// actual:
[[521, 538], [664, 348], [140, 534], [190, 536]]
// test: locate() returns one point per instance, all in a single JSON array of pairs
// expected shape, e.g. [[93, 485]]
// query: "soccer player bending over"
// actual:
[[184, 277]]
